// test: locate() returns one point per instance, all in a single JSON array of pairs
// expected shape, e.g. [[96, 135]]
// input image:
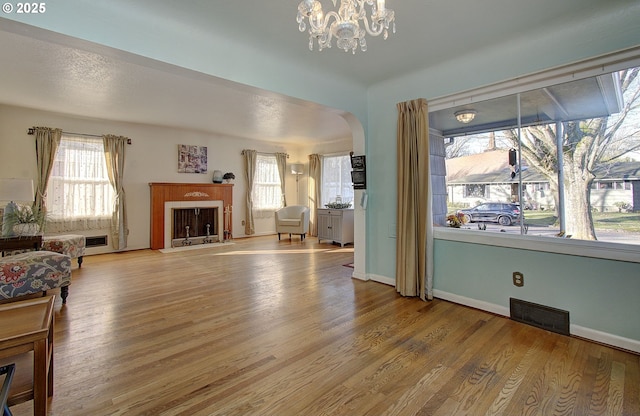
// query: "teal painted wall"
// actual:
[[515, 57], [599, 294]]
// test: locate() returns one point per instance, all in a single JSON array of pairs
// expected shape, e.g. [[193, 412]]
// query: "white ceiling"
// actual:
[[82, 79], [71, 74]]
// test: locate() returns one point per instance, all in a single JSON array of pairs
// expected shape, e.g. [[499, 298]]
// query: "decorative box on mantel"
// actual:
[[215, 199]]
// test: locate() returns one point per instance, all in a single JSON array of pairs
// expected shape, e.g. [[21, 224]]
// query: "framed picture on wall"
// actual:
[[192, 159], [359, 179], [359, 172], [358, 162]]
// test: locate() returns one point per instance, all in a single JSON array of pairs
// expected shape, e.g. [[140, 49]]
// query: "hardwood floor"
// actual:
[[263, 327]]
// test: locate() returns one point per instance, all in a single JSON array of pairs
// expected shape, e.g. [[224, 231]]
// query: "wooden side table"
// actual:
[[27, 331], [26, 242]]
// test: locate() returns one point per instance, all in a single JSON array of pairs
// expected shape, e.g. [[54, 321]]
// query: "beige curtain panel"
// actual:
[[47, 142], [249, 158], [315, 176], [281, 161], [114, 153], [414, 275]]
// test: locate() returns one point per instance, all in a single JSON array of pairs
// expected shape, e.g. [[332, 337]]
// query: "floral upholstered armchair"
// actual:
[[34, 272]]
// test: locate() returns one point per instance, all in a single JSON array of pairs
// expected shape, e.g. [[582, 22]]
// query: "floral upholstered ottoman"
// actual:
[[72, 245], [33, 272]]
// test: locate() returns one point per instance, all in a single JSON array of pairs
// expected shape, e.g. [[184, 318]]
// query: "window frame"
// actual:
[[583, 248], [257, 185], [588, 68], [345, 198], [485, 188], [108, 194]]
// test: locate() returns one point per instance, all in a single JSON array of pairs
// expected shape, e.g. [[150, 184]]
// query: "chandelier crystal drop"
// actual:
[[344, 24]]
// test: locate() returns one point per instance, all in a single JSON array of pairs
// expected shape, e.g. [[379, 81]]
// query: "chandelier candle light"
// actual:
[[344, 24]]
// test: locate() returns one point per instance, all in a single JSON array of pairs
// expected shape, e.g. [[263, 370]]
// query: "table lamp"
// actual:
[[12, 190]]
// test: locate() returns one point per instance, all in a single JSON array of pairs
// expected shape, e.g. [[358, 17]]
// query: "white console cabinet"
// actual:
[[335, 225]]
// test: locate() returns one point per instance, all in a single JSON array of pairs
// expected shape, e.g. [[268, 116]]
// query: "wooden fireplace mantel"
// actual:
[[164, 192]]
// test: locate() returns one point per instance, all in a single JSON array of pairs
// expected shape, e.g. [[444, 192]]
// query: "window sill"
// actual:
[[595, 249]]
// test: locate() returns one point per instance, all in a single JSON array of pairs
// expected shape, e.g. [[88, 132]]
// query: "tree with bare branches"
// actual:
[[586, 144], [457, 147]]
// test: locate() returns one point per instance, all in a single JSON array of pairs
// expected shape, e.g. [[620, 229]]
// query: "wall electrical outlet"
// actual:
[[518, 279]]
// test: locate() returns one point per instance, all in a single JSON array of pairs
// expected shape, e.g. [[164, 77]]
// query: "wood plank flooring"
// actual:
[[263, 327]]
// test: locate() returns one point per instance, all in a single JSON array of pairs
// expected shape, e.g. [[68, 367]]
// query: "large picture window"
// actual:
[[79, 194], [576, 172]]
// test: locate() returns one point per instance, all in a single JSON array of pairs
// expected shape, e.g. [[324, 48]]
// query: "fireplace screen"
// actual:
[[195, 225]]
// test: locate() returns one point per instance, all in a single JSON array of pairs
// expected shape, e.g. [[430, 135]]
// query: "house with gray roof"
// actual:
[[488, 176]]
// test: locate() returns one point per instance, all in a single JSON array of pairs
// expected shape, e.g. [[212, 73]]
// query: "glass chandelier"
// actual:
[[344, 24]]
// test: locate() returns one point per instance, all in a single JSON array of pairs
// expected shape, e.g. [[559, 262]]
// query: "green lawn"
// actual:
[[602, 220]]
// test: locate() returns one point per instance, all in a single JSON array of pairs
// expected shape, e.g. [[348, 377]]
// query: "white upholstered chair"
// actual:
[[293, 219]]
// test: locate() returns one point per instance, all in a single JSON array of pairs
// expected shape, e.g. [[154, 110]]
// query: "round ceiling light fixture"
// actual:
[[465, 116]]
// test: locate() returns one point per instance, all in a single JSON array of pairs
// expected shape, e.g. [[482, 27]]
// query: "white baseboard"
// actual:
[[579, 331], [474, 303], [605, 338], [360, 276], [381, 279]]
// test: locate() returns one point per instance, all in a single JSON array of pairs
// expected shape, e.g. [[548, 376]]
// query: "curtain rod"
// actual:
[[31, 131], [266, 153]]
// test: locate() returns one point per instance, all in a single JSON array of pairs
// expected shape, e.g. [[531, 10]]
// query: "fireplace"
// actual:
[[174, 206], [196, 215], [191, 223]]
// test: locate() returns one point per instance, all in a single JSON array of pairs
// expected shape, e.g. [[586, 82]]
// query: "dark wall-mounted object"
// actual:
[[359, 179], [358, 162], [513, 156], [359, 171]]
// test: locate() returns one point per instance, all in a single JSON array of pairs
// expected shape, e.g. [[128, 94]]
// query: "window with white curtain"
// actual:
[[336, 179], [267, 193], [79, 194]]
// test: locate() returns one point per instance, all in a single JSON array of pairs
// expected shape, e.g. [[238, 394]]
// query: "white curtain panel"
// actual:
[[79, 194]]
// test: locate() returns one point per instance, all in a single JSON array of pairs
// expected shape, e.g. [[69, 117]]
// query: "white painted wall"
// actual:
[[151, 158]]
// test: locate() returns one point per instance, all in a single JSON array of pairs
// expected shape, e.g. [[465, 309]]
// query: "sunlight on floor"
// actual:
[[343, 250], [194, 247], [292, 251]]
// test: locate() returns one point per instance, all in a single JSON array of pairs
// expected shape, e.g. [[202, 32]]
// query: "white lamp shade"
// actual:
[[297, 168], [16, 190]]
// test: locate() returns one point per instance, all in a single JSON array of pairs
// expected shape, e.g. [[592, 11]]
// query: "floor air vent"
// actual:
[[545, 317], [96, 241]]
